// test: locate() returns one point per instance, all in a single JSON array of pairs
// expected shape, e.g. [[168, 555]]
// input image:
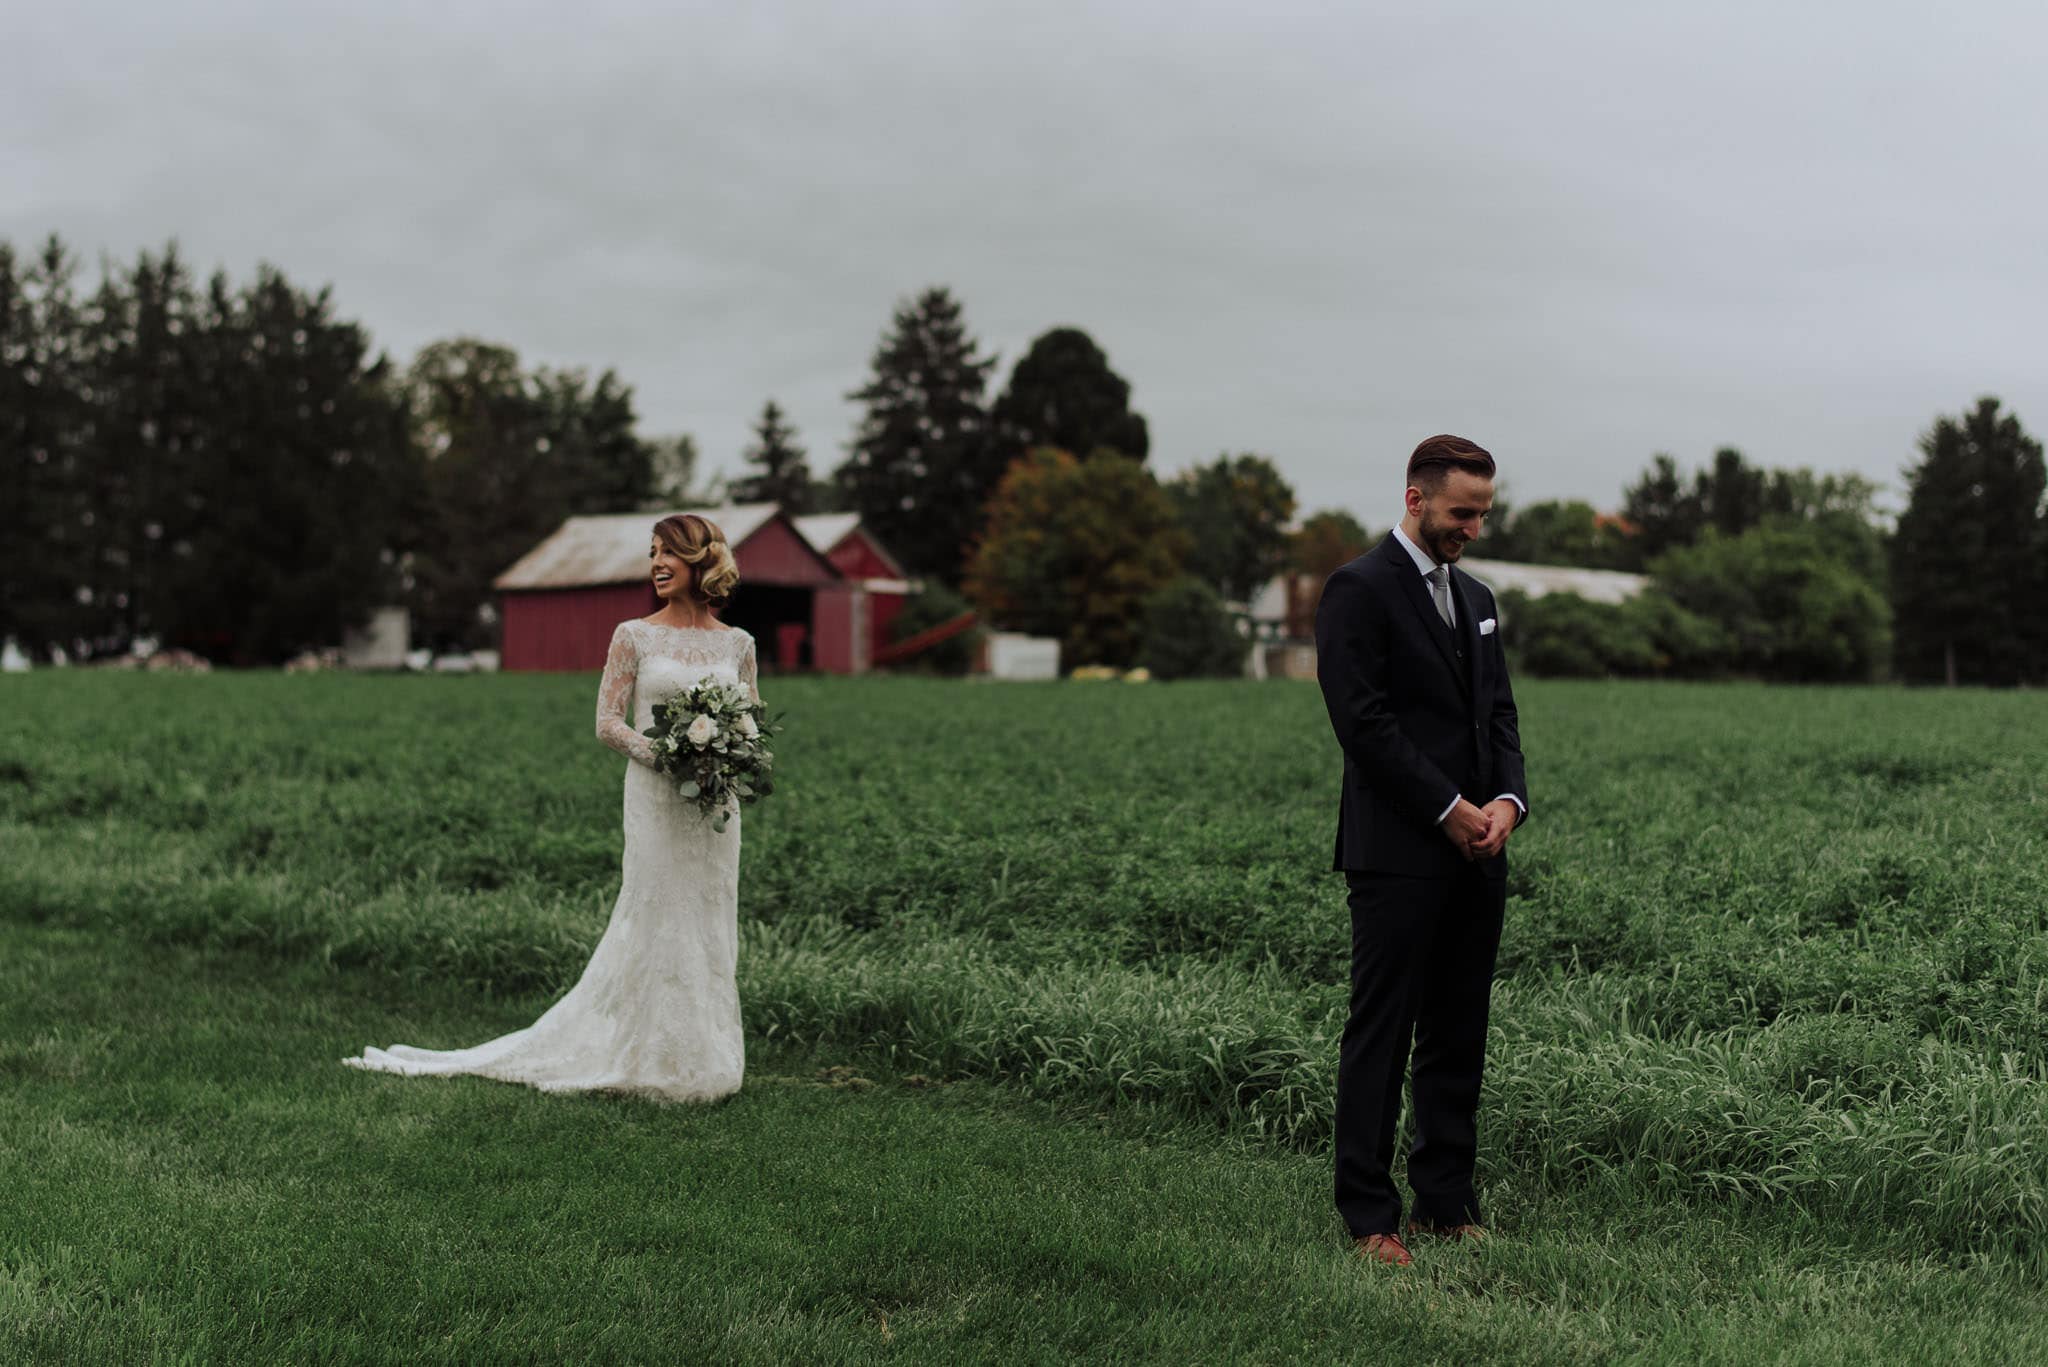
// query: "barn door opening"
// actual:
[[779, 620]]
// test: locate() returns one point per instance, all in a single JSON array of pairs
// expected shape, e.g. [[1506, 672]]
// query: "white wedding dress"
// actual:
[[657, 1011]]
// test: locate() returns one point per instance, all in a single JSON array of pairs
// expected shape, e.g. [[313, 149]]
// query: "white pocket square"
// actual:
[[1486, 627]]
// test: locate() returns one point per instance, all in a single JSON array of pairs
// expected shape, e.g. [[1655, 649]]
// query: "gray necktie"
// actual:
[[1440, 592]]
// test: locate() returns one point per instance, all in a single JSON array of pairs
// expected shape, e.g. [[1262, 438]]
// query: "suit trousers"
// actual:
[[1422, 957]]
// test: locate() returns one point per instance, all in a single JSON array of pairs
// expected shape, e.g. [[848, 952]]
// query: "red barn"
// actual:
[[559, 602], [867, 564]]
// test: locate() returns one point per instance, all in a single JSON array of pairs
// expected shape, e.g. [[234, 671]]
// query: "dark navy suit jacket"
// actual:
[[1423, 712]]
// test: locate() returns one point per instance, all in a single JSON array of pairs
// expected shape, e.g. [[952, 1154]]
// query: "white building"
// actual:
[[1282, 613], [381, 642], [1599, 586]]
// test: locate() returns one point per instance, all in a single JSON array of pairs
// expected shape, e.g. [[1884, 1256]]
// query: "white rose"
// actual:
[[747, 727], [701, 730]]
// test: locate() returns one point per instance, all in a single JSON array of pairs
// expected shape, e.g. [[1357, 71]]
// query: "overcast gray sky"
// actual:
[[1577, 233]]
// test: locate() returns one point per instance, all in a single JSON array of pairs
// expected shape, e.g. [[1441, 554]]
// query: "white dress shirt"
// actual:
[[1425, 567]]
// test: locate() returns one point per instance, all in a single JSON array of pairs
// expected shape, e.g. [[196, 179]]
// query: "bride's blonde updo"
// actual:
[[698, 543]]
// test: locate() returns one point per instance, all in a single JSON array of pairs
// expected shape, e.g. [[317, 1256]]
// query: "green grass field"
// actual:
[[1768, 1079]]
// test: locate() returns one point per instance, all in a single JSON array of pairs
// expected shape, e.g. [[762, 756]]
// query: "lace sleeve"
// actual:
[[615, 694], [750, 673]]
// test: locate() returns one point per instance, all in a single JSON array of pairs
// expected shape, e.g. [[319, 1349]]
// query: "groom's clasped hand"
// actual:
[[1481, 832]]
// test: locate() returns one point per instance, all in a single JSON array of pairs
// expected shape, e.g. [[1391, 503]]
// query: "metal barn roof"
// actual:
[[826, 530], [1600, 586], [612, 548]]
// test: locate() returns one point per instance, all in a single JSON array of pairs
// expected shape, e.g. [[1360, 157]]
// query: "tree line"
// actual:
[[1793, 575], [229, 469], [1040, 508], [1037, 507]]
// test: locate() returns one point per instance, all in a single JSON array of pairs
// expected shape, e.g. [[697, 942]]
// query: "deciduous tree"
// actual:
[[1073, 549], [1191, 633], [1324, 541], [675, 462], [1236, 511], [1560, 532], [508, 456], [1790, 607]]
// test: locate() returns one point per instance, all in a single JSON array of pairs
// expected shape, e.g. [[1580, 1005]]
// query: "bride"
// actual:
[[656, 1011]]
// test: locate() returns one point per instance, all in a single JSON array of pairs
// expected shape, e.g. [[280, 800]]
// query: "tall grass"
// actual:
[[1763, 945]]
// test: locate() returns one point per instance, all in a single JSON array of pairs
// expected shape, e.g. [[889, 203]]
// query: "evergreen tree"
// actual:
[[1236, 512], [1063, 394], [781, 474], [285, 529], [1732, 496], [1970, 558], [216, 470], [1730, 493], [921, 466], [45, 435], [828, 495], [1663, 511], [157, 408]]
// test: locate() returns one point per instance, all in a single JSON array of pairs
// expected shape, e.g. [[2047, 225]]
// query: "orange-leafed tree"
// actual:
[[1072, 549]]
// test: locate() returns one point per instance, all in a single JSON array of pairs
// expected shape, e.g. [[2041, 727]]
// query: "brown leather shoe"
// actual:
[[1383, 1248], [1475, 1234]]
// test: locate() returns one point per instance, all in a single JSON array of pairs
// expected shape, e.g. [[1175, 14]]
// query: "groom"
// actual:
[[1409, 658]]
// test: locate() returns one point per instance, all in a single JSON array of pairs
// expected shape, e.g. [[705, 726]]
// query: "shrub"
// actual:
[[1688, 645], [1562, 635], [1791, 603], [1189, 633], [936, 605]]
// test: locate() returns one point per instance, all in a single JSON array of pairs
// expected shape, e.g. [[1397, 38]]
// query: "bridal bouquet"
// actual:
[[712, 739]]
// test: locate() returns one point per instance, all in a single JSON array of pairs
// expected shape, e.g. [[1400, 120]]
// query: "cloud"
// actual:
[[1579, 237]]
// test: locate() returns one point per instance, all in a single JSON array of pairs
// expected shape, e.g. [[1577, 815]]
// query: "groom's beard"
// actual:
[[1443, 541]]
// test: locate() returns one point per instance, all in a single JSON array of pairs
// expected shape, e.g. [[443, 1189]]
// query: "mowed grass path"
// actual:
[[185, 1175], [1768, 1075]]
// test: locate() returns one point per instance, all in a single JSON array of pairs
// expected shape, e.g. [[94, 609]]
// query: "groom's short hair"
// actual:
[[1436, 457]]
